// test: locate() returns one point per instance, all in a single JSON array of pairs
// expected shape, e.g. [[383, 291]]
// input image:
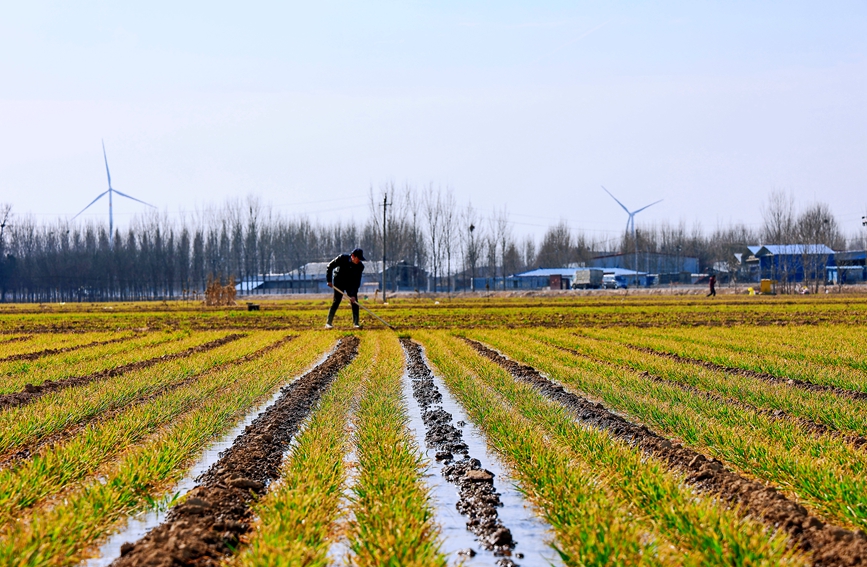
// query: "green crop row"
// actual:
[[838, 412], [64, 532], [607, 503], [54, 467], [56, 411], [297, 518], [742, 353], [835, 345], [821, 472], [85, 361], [10, 346], [391, 520]]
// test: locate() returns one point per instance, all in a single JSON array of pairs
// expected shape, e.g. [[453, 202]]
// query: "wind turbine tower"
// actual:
[[110, 191], [630, 225]]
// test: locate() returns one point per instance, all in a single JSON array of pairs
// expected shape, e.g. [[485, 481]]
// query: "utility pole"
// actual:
[[385, 205], [472, 259]]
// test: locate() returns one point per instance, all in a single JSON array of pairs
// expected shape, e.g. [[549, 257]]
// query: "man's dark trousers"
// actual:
[[336, 303]]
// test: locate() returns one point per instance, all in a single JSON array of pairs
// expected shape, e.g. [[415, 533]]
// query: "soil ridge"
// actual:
[[207, 526], [478, 497], [829, 545], [32, 392]]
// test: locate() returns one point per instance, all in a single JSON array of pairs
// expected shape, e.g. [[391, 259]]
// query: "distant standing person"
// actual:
[[344, 274], [712, 283]]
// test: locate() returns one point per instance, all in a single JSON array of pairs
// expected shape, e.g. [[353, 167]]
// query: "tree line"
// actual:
[[158, 257]]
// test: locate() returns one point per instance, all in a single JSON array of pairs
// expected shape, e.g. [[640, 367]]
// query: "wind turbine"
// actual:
[[630, 224], [110, 207]]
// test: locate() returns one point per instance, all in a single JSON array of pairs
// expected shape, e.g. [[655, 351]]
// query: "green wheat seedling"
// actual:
[[822, 473], [593, 525], [839, 413], [55, 467], [64, 533], [392, 522], [56, 411], [694, 523], [297, 518], [15, 374]]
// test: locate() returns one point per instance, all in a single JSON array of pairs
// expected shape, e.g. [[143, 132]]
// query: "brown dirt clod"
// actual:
[[828, 545], [206, 527]]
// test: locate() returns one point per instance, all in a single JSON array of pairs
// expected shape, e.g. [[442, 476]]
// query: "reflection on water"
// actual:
[[530, 532]]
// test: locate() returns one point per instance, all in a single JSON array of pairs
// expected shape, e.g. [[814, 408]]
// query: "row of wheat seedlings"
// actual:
[[96, 358], [55, 467], [837, 412], [22, 344], [607, 502], [745, 351], [57, 411], [822, 473], [62, 531], [389, 520]]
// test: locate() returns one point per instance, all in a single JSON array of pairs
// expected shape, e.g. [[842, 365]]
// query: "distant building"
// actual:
[[561, 278], [850, 267], [649, 263], [786, 262]]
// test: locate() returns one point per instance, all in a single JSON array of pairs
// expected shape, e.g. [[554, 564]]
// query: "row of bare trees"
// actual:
[[426, 227]]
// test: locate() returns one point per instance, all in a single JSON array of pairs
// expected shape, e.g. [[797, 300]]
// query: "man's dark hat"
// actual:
[[359, 253]]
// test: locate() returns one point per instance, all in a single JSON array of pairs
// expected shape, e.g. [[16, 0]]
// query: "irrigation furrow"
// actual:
[[764, 376], [206, 527], [434, 412], [57, 439], [478, 498], [814, 427], [829, 544], [32, 392], [52, 351]]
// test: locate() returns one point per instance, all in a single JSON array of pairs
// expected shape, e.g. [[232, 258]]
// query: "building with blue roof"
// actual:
[[788, 263]]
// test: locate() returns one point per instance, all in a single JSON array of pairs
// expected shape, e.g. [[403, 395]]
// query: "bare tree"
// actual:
[[433, 216], [503, 232], [472, 238], [816, 226], [778, 215], [448, 210]]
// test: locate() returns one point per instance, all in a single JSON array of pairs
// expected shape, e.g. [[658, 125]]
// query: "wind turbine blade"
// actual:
[[107, 173], [650, 205], [615, 198], [101, 195], [133, 198]]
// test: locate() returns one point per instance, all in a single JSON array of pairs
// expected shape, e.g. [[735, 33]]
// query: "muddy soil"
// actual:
[[804, 385], [829, 545], [478, 497], [32, 392], [50, 351], [25, 452], [207, 526]]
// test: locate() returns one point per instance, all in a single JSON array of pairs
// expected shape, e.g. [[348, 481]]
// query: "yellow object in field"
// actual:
[[765, 286], [751, 291]]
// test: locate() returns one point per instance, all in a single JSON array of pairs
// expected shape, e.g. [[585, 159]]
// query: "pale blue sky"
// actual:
[[709, 105]]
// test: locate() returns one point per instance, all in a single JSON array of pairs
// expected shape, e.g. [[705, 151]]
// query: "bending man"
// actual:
[[344, 273]]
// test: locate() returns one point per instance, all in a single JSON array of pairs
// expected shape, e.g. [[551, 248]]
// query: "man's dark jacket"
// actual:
[[346, 275]]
